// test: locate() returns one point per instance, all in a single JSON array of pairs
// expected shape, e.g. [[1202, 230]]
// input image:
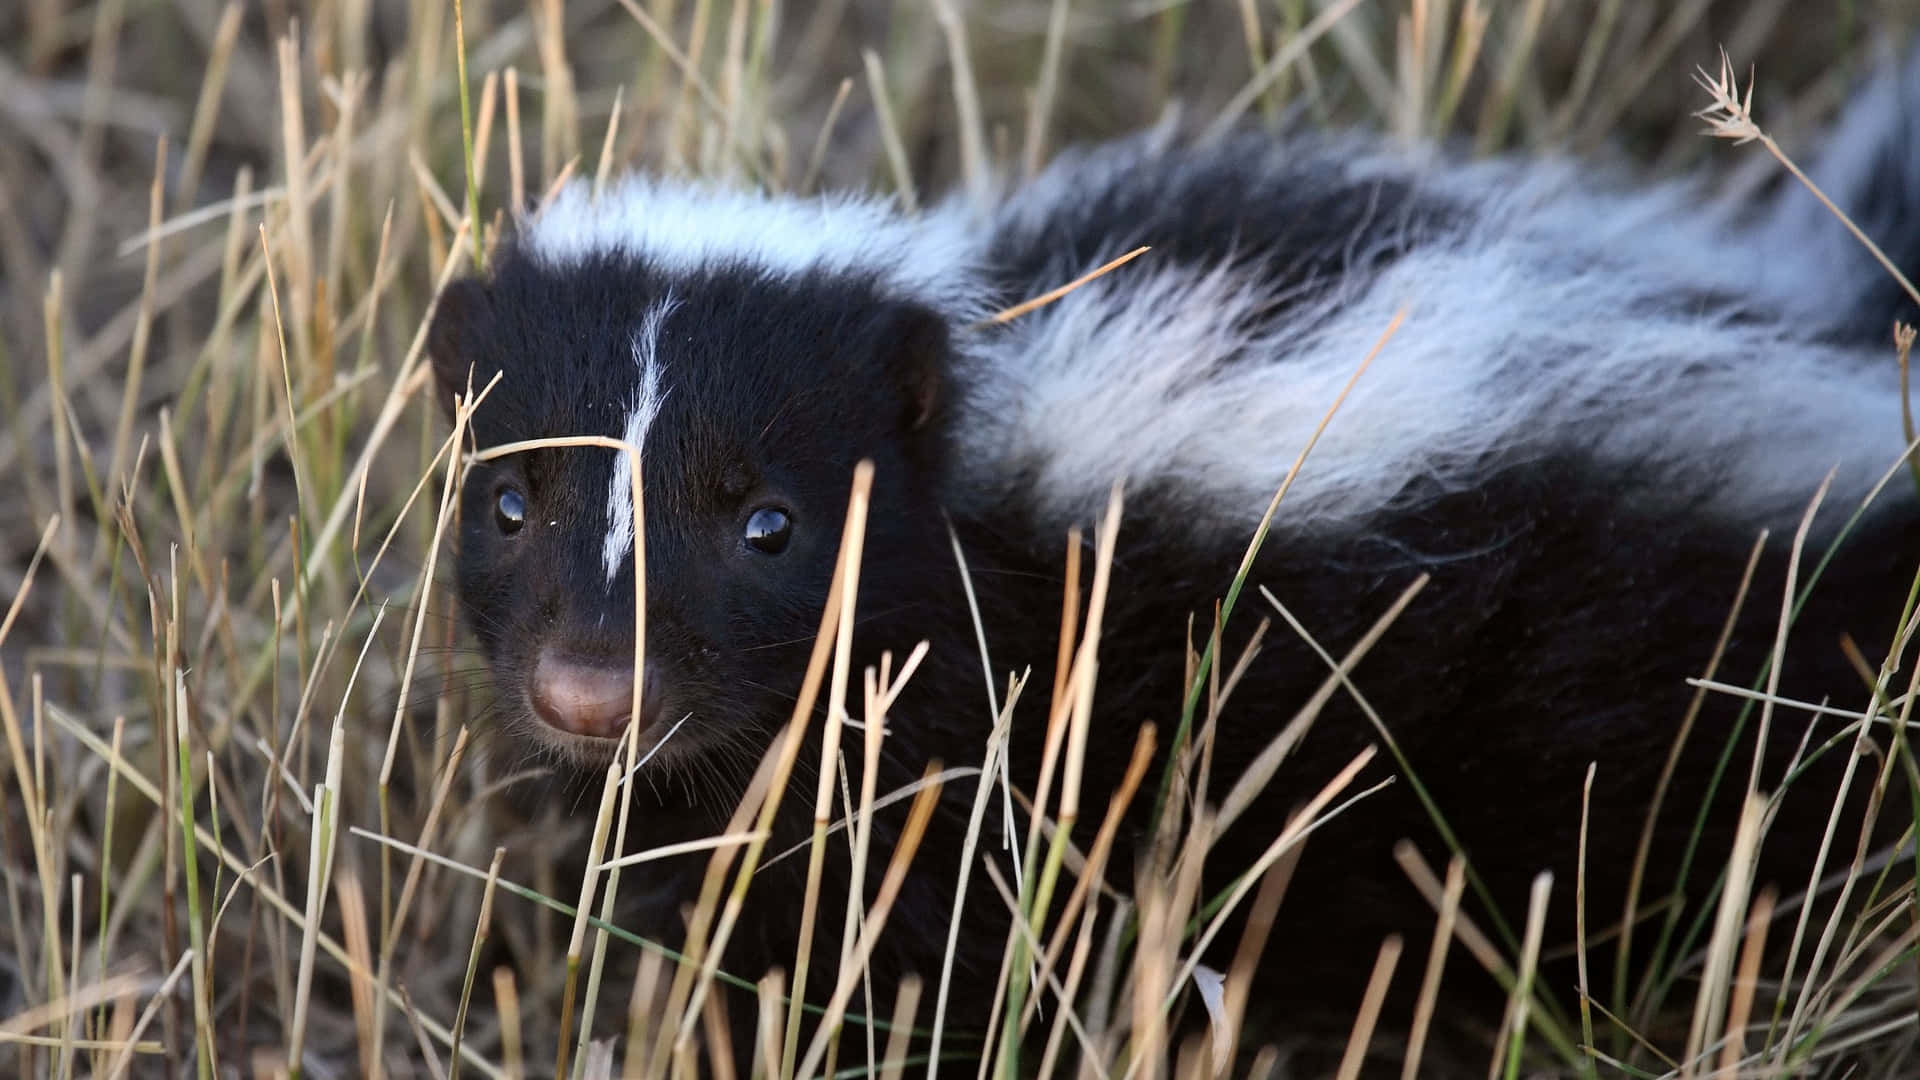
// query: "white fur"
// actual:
[[686, 227], [1875, 145], [1541, 327], [646, 408]]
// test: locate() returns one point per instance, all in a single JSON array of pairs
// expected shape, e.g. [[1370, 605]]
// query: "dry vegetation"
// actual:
[[241, 827]]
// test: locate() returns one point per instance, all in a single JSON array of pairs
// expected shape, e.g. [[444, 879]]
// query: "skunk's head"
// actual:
[[752, 394]]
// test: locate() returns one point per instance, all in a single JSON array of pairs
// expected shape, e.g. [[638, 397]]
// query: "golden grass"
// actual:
[[221, 452]]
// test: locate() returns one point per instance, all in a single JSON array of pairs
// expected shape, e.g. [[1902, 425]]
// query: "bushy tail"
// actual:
[[1869, 166]]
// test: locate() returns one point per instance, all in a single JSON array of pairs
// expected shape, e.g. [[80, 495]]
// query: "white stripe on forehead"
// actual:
[[646, 406]]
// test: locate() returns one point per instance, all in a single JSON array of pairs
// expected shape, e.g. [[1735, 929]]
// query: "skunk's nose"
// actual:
[[586, 696]]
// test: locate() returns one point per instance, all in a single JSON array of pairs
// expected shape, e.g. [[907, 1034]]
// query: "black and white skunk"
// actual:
[[1597, 401]]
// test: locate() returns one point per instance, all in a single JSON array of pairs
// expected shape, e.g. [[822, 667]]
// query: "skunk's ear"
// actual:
[[456, 342], [914, 347]]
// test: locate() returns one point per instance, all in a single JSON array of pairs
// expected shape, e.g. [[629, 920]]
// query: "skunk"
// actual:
[[1599, 397]]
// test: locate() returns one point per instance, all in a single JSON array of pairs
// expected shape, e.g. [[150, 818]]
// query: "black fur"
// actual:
[[1294, 206]]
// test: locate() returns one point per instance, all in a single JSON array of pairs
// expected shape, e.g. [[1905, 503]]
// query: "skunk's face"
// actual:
[[752, 401]]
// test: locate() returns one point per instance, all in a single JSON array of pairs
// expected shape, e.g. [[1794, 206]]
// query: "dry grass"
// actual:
[[232, 695]]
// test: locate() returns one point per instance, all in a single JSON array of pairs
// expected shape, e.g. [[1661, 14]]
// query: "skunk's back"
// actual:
[[1701, 355]]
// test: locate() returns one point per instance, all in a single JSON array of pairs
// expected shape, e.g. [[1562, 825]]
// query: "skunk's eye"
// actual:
[[768, 530], [510, 510]]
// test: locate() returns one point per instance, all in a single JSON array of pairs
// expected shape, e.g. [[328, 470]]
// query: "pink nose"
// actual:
[[588, 697]]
